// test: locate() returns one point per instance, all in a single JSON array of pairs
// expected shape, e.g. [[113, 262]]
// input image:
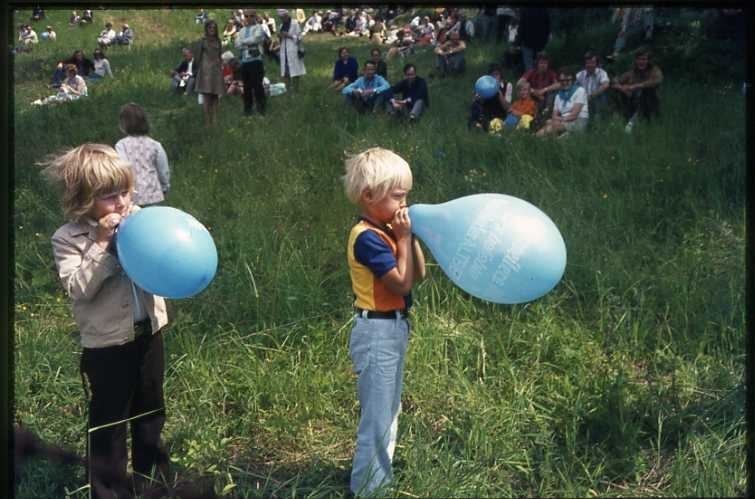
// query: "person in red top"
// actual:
[[233, 84], [543, 84]]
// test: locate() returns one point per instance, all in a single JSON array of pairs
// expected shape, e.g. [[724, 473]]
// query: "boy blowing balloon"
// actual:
[[384, 262], [120, 324]]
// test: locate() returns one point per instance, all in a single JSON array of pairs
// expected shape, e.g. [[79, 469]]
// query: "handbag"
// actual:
[[300, 50]]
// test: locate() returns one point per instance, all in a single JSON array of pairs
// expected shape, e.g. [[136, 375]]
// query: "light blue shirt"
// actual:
[[249, 40], [378, 84]]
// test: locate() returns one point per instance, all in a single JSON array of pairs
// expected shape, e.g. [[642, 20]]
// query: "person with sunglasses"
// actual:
[[570, 109]]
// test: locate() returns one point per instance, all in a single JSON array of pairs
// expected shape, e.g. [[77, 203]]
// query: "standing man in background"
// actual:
[[249, 42], [533, 34]]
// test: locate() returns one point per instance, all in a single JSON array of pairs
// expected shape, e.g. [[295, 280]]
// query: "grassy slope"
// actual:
[[625, 380]]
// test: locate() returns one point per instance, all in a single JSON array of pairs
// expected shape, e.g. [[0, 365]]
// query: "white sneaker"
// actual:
[[37, 102], [629, 127]]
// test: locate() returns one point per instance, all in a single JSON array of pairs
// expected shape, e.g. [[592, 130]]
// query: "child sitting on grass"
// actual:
[[384, 261], [146, 155], [119, 323], [523, 109]]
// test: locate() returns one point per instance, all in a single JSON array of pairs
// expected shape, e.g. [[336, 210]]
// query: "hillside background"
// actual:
[[626, 380]]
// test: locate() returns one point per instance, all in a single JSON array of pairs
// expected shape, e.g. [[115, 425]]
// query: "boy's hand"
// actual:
[[106, 229], [401, 224]]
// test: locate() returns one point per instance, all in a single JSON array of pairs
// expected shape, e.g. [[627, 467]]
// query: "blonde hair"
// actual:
[[377, 169], [85, 173], [522, 84]]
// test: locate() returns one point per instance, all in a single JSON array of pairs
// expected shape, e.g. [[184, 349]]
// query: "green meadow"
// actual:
[[626, 380]]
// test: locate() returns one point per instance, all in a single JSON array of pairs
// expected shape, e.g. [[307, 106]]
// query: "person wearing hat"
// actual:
[[126, 36], [291, 53], [249, 41], [51, 35]]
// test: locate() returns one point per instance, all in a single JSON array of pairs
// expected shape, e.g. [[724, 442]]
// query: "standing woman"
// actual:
[[292, 65], [209, 81]]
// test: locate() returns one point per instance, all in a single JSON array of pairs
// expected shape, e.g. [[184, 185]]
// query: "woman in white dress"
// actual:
[[291, 53]]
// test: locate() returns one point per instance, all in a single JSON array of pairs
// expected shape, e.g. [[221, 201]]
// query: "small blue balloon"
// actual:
[[511, 121], [496, 247], [486, 86], [166, 252]]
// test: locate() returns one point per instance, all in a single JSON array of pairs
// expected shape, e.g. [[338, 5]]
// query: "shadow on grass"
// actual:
[[256, 477]]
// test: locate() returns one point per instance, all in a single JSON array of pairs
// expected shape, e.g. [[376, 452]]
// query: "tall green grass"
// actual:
[[625, 380]]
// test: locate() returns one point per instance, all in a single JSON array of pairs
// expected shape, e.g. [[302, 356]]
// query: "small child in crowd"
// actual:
[[523, 109], [384, 262], [120, 324], [146, 155]]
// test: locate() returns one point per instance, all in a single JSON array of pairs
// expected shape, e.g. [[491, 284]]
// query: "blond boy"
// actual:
[[384, 262]]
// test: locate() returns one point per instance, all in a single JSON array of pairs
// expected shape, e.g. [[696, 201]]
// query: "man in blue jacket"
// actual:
[[368, 92]]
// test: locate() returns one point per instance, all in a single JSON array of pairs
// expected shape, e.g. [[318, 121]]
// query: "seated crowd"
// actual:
[[554, 103], [540, 100]]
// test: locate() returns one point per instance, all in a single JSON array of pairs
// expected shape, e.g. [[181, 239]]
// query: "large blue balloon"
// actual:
[[496, 247], [166, 252], [486, 86]]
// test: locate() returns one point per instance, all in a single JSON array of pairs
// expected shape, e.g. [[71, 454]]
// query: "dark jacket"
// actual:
[[381, 68], [184, 66], [534, 27], [350, 69], [414, 91], [83, 67]]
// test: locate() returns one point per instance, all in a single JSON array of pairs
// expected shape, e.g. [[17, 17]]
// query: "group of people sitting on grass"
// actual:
[[560, 102], [72, 76], [28, 37], [86, 17], [542, 100], [371, 91], [108, 36]]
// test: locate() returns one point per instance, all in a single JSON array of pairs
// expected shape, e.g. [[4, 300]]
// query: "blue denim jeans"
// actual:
[[377, 348]]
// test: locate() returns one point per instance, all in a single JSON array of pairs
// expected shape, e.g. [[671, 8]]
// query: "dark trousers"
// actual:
[[482, 115], [252, 74], [125, 381], [369, 104], [643, 101]]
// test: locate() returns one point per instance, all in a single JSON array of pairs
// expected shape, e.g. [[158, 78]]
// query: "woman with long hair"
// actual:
[[209, 82]]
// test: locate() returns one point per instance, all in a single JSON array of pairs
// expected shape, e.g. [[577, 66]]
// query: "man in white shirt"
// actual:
[[595, 81]]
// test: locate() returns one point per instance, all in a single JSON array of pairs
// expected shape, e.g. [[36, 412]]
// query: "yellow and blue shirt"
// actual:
[[371, 253]]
